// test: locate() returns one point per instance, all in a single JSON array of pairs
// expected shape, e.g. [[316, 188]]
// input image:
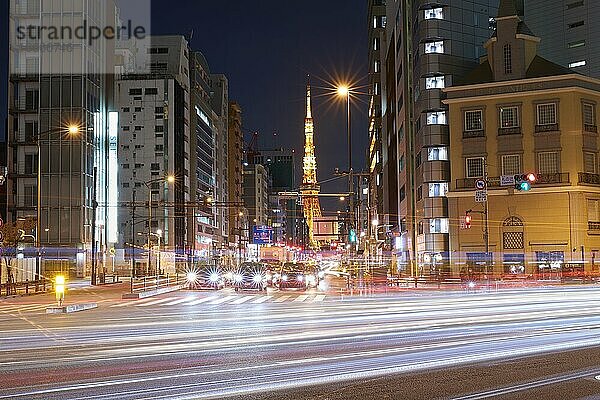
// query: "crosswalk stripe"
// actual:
[[152, 302], [222, 300], [201, 300], [319, 297], [178, 301], [300, 299], [242, 300], [261, 299], [282, 299]]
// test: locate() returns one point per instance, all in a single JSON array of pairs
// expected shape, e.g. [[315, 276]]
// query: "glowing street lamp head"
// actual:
[[159, 232], [375, 222], [73, 130], [343, 90], [170, 179], [241, 213]]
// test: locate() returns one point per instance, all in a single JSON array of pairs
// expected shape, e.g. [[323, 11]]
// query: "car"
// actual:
[[294, 275], [206, 277], [250, 276]]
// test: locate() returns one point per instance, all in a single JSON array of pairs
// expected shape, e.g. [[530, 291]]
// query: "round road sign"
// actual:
[[480, 184]]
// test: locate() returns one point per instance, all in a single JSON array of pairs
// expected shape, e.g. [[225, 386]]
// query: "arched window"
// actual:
[[513, 239], [507, 59]]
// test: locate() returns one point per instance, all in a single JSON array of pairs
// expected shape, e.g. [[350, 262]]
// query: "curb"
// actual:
[[150, 293], [71, 308]]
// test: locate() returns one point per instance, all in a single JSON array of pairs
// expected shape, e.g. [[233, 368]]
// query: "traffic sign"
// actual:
[[480, 196], [480, 184], [1, 222], [112, 251], [507, 180]]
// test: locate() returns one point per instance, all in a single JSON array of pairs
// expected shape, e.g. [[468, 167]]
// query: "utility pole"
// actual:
[[94, 209], [486, 233], [132, 240]]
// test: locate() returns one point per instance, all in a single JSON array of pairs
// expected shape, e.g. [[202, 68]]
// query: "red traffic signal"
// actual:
[[468, 219], [531, 177]]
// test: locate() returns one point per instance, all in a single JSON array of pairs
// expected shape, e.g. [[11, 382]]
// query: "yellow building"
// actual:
[[518, 113]]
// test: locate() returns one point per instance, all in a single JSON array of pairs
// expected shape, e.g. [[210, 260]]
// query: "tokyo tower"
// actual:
[[310, 189]]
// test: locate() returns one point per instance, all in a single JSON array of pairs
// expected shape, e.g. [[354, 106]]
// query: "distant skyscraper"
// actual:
[[569, 32]]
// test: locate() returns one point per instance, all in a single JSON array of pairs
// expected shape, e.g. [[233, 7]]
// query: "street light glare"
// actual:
[[343, 91], [375, 222], [159, 232], [73, 129], [170, 179]]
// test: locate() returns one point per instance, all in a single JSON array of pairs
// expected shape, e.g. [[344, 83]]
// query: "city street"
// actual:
[[196, 345]]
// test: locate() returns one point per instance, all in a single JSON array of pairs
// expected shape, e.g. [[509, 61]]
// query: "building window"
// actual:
[[29, 196], [473, 120], [509, 117], [151, 91], [511, 164], [376, 44], [546, 114], [514, 263], [576, 64], [438, 189], [31, 164], [434, 13], [419, 193], [376, 66], [576, 24], [434, 47], [401, 163], [475, 167], [548, 162], [589, 163], [575, 4], [507, 59], [159, 128], [438, 225], [435, 82], [578, 43], [135, 92], [436, 118], [420, 228], [437, 154], [589, 114], [593, 209]]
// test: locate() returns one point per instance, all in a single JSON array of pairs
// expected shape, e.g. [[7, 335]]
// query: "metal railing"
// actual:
[[590, 179], [146, 283], [590, 128], [546, 128], [593, 225], [516, 130], [27, 287], [473, 134], [559, 177]]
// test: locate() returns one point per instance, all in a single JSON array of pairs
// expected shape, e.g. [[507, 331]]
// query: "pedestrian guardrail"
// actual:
[[147, 283], [27, 287]]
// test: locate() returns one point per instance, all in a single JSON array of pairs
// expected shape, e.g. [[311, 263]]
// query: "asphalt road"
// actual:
[[191, 345]]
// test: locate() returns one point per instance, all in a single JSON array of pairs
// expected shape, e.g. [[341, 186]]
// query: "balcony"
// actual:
[[473, 134], [590, 128], [594, 226], [552, 179], [589, 179], [469, 183], [546, 128], [516, 130]]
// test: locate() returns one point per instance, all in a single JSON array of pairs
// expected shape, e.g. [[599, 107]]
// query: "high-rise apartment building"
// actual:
[[48, 91], [154, 143], [220, 105], [256, 184], [235, 158], [569, 32], [429, 46]]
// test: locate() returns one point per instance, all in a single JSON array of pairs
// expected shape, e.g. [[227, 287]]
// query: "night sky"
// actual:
[[266, 48]]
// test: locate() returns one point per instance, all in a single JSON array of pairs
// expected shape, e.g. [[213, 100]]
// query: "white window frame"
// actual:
[[587, 157], [434, 47], [552, 106], [442, 189], [575, 64], [473, 128], [511, 164], [434, 13], [544, 165], [438, 225], [591, 113], [515, 123], [436, 118], [439, 153], [468, 173], [435, 82]]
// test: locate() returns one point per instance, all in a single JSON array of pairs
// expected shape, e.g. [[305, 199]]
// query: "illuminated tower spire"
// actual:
[[310, 189]]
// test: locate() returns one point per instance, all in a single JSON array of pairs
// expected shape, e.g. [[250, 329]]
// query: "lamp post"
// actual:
[[169, 179], [344, 91], [70, 130]]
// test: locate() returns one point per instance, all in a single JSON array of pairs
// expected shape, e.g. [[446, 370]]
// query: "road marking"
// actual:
[[222, 300], [184, 299], [153, 302], [261, 299], [202, 300], [319, 297], [242, 300], [281, 299], [300, 299]]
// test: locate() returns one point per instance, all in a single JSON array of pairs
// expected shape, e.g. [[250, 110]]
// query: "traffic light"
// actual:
[[59, 289], [523, 182], [352, 236], [468, 219]]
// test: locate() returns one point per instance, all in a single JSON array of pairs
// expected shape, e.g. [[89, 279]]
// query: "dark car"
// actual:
[[296, 276], [250, 276]]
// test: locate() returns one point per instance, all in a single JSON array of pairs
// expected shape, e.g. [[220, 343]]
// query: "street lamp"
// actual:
[[168, 179], [344, 92], [71, 130]]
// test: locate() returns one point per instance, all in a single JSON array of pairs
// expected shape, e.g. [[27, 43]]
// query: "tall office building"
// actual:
[[238, 215], [49, 90], [569, 32], [428, 46], [153, 145], [376, 39], [256, 186]]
